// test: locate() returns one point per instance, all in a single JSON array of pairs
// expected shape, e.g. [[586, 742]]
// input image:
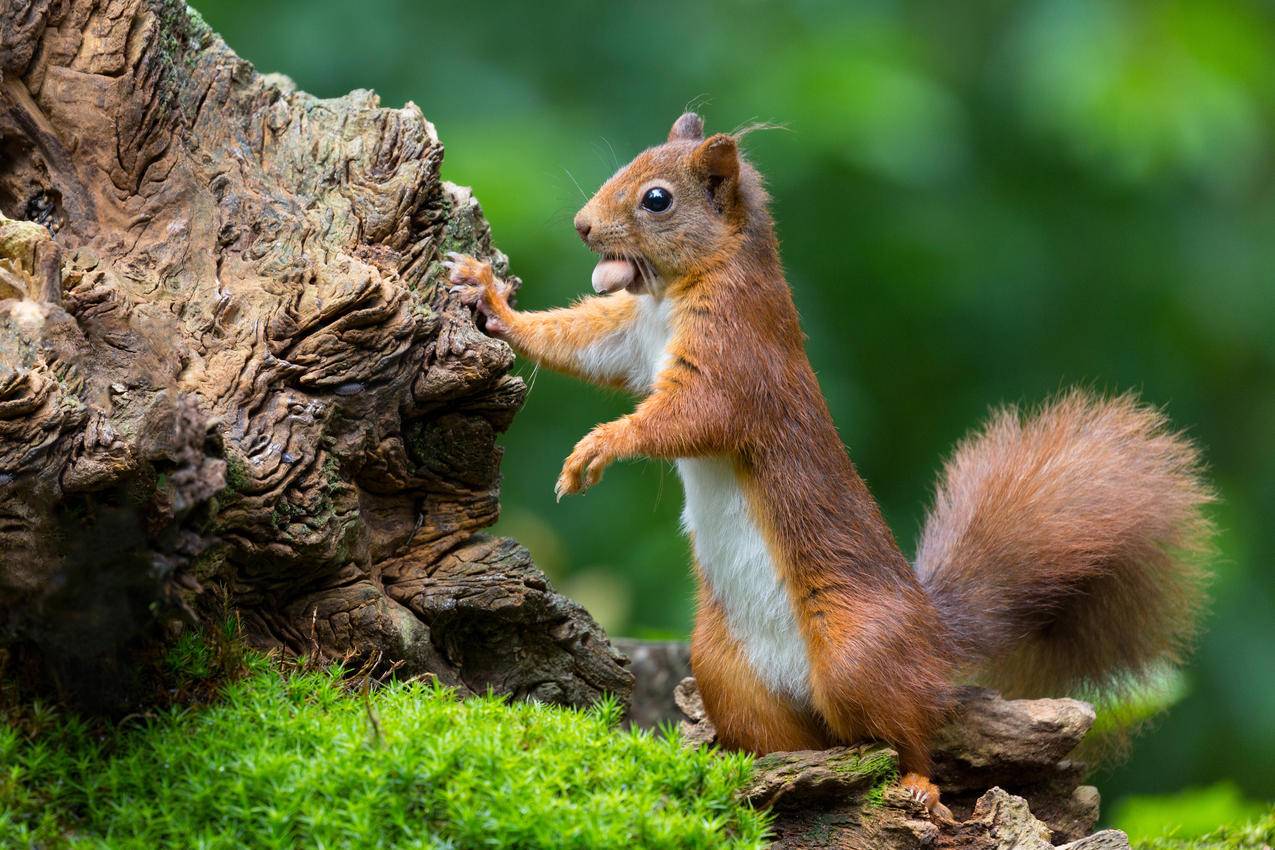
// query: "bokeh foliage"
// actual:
[[979, 203]]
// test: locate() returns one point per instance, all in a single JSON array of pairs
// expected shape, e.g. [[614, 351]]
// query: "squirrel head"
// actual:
[[672, 211]]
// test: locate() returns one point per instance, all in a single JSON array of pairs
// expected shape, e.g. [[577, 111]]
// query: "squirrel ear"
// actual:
[[718, 157], [688, 126]]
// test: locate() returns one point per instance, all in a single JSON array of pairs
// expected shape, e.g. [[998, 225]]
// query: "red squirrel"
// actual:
[[1061, 552]]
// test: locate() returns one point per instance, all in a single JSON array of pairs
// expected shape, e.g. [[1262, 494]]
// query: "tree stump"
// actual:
[[232, 377]]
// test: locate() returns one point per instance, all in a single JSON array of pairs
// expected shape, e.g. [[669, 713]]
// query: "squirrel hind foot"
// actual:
[[925, 792]]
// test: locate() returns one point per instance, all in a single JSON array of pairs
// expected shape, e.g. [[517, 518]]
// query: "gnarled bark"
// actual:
[[227, 363]]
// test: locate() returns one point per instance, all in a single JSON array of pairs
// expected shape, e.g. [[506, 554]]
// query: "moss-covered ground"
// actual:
[[1257, 834], [302, 759], [257, 754]]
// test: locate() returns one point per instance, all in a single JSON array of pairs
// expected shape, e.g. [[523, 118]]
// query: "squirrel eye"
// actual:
[[657, 200]]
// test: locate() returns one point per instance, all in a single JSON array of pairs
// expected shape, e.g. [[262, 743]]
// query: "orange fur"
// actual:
[[1040, 530], [747, 716], [1064, 548], [552, 338]]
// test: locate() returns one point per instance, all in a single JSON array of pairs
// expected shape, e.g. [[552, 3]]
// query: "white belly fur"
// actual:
[[742, 577], [636, 353], [728, 545]]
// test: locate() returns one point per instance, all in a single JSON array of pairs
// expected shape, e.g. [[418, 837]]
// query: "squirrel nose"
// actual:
[[583, 227]]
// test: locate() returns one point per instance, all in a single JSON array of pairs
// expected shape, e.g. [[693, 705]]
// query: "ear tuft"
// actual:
[[718, 156], [688, 126]]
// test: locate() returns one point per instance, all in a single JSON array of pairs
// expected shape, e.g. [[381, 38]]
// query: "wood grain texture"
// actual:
[[229, 375]]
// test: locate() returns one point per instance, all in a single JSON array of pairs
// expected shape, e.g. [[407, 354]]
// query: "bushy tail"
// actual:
[[1064, 548]]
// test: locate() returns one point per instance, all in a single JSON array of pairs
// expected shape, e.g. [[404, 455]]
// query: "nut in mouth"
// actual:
[[621, 271]]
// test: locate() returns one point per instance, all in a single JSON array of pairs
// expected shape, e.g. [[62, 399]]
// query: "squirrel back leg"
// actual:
[[747, 714], [870, 681]]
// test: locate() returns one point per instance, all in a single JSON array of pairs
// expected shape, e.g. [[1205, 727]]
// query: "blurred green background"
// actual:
[[978, 203]]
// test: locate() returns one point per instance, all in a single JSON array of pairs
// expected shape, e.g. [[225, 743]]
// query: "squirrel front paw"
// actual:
[[584, 466], [472, 279]]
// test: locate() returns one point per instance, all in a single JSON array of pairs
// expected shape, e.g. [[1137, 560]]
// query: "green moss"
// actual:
[[300, 761], [1190, 818], [237, 476], [182, 32], [217, 653], [1257, 834], [458, 230], [876, 764], [421, 311], [285, 512], [332, 473]]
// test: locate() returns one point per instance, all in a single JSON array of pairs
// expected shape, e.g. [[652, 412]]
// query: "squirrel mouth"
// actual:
[[614, 272]]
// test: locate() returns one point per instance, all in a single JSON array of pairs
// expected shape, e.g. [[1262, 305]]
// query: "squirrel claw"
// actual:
[[470, 296], [584, 467], [566, 487], [466, 270], [926, 793], [472, 281]]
